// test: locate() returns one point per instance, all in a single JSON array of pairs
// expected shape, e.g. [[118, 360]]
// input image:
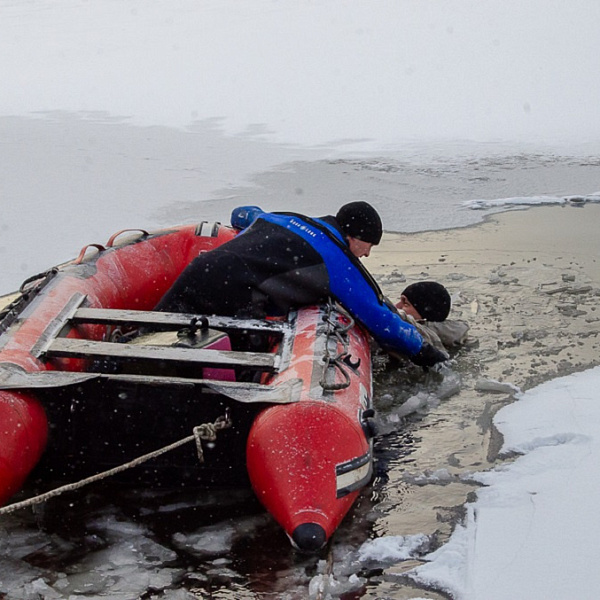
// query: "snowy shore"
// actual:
[[529, 285]]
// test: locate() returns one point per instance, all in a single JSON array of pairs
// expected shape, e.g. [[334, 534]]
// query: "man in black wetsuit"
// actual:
[[281, 261]]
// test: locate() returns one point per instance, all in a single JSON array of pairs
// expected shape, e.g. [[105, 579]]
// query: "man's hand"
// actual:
[[428, 356]]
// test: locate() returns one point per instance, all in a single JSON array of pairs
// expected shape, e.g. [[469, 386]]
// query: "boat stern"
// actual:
[[307, 463]]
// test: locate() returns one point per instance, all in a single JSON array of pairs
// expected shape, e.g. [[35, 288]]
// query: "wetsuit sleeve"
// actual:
[[357, 295]]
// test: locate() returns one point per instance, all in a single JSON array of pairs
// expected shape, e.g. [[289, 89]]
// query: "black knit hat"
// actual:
[[430, 299], [360, 220]]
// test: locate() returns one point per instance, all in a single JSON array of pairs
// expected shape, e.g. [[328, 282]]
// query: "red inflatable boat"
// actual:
[[299, 413], [307, 461]]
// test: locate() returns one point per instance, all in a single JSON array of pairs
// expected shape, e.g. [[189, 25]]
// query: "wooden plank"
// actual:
[[143, 318], [56, 325], [78, 348], [12, 377], [245, 392]]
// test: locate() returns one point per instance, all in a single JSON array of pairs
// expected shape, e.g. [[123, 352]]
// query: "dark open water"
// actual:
[[123, 542]]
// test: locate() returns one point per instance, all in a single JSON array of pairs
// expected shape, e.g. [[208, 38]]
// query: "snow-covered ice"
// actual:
[[533, 530]]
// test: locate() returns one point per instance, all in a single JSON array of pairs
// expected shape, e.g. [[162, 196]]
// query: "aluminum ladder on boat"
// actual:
[[54, 344]]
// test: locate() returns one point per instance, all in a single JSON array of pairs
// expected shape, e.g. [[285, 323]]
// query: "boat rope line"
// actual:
[[342, 360], [205, 432]]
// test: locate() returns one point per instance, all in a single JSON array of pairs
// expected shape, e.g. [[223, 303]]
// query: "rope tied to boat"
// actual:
[[204, 432], [207, 432]]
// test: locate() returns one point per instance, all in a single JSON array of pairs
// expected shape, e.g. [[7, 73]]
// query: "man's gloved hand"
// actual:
[[428, 356]]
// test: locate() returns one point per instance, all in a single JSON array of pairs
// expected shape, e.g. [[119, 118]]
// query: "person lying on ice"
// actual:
[[281, 261]]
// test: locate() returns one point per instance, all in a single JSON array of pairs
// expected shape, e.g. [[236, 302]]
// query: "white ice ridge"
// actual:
[[530, 201]]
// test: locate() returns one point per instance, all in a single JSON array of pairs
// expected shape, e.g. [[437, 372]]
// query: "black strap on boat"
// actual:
[[41, 278], [29, 289]]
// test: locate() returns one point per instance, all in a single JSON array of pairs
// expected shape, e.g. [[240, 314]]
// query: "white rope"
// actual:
[[206, 431]]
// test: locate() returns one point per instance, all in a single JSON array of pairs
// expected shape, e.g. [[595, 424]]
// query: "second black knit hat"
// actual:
[[431, 299], [360, 220]]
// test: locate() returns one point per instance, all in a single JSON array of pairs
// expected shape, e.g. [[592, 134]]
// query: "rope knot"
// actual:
[[208, 432]]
